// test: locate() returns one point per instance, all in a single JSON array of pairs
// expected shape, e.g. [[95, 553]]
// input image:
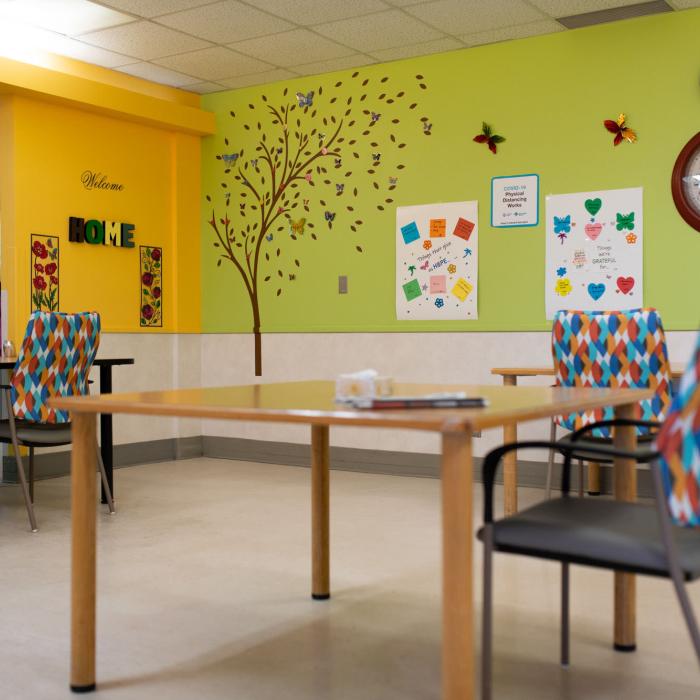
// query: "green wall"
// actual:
[[547, 95]]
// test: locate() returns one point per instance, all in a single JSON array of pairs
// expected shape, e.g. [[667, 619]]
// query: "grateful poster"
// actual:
[[594, 250], [437, 261]]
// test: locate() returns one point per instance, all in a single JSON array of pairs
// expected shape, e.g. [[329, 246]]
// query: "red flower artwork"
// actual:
[[45, 275], [151, 310]]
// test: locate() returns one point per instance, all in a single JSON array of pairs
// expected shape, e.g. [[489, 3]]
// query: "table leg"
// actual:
[[106, 439], [457, 597], [83, 532], [320, 514], [510, 461], [625, 438]]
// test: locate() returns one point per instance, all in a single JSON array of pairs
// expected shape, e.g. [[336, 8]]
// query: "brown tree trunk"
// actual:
[[257, 337]]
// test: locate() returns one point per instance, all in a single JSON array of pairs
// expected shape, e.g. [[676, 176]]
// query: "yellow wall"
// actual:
[[56, 125]]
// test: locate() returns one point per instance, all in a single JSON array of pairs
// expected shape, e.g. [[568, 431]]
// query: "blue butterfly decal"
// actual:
[[230, 158], [329, 215], [339, 188], [562, 225], [268, 237], [305, 100], [374, 117]]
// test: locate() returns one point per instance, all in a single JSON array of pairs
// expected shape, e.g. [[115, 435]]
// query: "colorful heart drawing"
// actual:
[[596, 290], [593, 205], [625, 284], [593, 230]]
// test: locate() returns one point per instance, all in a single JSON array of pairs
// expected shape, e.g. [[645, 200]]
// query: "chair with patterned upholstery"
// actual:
[[609, 349], [54, 360], [659, 539]]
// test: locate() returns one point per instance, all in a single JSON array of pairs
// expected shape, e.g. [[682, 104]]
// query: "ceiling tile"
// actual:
[[565, 8], [152, 8], [225, 22], [157, 74], [422, 49], [381, 30], [520, 31], [333, 65], [309, 12], [144, 40], [214, 63], [70, 17], [288, 48], [204, 88], [270, 76], [471, 16], [405, 3]]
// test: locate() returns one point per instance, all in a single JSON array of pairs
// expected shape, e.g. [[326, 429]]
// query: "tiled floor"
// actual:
[[204, 593]]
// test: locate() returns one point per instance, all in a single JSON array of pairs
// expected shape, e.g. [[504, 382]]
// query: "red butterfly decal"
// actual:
[[487, 136], [620, 130]]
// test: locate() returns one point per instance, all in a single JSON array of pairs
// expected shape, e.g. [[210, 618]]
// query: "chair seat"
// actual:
[[644, 452], [37, 434], [597, 532]]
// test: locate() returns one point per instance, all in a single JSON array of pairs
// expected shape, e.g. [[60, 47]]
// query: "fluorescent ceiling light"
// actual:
[[614, 14], [70, 17]]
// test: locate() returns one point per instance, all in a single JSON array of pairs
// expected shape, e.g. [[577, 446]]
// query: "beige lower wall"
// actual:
[[422, 357]]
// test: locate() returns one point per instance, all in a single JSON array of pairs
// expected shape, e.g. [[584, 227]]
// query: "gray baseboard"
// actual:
[[423, 465], [52, 464]]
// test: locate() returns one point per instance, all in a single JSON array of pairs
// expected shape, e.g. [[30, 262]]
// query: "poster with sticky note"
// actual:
[[462, 289], [463, 228], [438, 284], [437, 274], [438, 228], [412, 290], [594, 250], [410, 232]]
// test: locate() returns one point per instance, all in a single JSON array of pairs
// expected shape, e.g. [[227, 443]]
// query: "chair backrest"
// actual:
[[55, 358], [679, 445], [612, 349]]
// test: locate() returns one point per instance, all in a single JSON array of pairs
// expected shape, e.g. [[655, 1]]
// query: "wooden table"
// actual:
[[510, 430], [312, 403], [106, 437]]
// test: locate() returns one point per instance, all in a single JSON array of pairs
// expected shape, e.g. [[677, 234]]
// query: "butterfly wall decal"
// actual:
[[230, 158], [329, 216], [339, 188], [625, 221], [306, 202], [296, 228], [338, 162], [376, 157], [305, 100], [427, 126], [488, 137], [374, 117], [620, 129], [254, 162], [269, 237], [321, 135], [292, 277], [393, 180], [279, 151]]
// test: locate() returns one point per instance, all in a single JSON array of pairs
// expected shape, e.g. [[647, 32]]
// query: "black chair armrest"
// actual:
[[493, 459], [611, 424]]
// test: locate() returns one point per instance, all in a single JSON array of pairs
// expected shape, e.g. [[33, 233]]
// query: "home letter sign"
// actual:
[[95, 232]]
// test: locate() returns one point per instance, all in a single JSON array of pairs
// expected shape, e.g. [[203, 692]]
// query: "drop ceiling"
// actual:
[[207, 46]]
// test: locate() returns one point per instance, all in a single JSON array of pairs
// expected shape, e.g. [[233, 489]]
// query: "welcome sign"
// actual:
[[97, 232]]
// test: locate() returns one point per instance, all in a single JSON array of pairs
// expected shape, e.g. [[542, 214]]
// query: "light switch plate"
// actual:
[[342, 284]]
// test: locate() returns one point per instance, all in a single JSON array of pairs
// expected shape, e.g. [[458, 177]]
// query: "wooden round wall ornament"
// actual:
[[685, 182]]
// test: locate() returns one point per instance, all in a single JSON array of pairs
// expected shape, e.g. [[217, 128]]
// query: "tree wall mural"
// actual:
[[302, 165]]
